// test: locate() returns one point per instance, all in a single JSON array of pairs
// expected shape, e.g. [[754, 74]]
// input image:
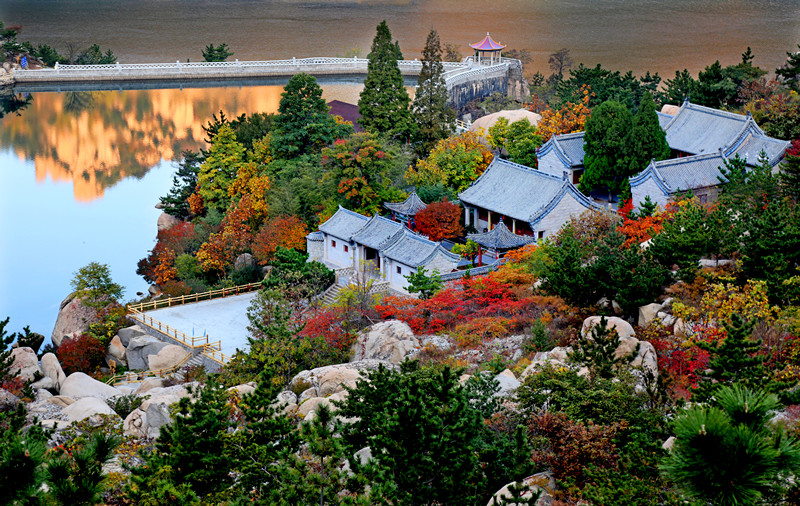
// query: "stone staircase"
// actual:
[[195, 361], [330, 295]]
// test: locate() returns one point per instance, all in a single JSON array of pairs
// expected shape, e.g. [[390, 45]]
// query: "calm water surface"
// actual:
[[80, 172]]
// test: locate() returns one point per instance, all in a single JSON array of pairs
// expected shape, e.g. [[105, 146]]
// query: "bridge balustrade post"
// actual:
[[58, 71], [119, 68], [178, 64]]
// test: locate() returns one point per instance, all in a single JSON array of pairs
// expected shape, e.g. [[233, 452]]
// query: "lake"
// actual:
[[81, 172]]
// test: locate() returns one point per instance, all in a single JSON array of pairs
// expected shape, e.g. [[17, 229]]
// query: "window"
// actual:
[[333, 244], [399, 270], [541, 234], [346, 248]]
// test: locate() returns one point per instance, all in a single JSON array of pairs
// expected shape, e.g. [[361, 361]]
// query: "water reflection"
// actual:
[[96, 138], [13, 103]]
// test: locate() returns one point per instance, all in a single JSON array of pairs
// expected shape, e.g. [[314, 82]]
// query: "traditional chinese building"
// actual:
[[528, 201], [487, 50], [378, 246], [498, 241], [406, 211]]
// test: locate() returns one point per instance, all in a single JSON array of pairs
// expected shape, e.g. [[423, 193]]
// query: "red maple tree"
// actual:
[[440, 220]]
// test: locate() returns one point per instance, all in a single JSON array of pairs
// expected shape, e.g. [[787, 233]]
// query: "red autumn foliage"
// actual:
[[328, 323], [82, 354], [639, 229], [484, 301], [159, 265], [574, 446], [440, 220], [286, 231]]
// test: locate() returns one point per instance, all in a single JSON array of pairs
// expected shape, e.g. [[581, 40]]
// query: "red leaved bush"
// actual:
[[82, 354], [439, 220], [329, 323], [484, 299]]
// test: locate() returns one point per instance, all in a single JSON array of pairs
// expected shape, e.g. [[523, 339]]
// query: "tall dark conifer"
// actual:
[[646, 140], [384, 103], [433, 118]]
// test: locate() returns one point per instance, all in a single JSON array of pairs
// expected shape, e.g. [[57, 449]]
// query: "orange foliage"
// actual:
[[196, 204], [520, 254], [638, 229], [286, 231], [234, 237], [570, 118], [165, 267], [440, 220], [248, 182]]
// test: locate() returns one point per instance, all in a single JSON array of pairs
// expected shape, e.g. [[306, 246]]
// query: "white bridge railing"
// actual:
[[455, 72]]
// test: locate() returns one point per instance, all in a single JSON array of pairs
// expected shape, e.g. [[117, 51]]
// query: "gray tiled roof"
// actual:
[[414, 250], [687, 173], [751, 141], [315, 236], [409, 207], [572, 144], [664, 119], [700, 130], [376, 231], [343, 224], [512, 190], [500, 237]]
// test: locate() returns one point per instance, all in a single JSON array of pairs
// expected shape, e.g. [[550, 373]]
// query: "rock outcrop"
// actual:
[[390, 341], [140, 348], [125, 335], [86, 407], [333, 378], [79, 385], [116, 352], [538, 482], [51, 368], [74, 318], [146, 421], [166, 221], [167, 357], [25, 363]]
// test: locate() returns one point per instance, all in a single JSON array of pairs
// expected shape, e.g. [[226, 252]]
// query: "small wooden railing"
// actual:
[[138, 377], [210, 350], [194, 297]]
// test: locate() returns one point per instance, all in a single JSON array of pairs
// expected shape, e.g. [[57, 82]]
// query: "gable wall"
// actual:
[[648, 187], [568, 206]]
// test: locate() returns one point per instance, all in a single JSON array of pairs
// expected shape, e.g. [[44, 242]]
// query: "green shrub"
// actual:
[[124, 405]]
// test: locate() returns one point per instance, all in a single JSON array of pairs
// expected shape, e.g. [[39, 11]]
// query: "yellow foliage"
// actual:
[[722, 299], [454, 162], [570, 118]]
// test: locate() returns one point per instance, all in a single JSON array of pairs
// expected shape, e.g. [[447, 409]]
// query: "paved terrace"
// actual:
[[223, 319]]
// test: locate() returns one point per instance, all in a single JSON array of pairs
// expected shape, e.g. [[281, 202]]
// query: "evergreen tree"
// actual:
[[303, 125], [78, 478], [433, 118], [225, 157], [184, 182], [6, 340], [384, 103], [680, 88], [214, 53], [790, 71], [646, 140], [606, 150], [22, 455], [267, 438], [730, 453], [790, 172], [566, 275], [423, 283], [735, 360], [715, 86], [190, 456], [597, 351]]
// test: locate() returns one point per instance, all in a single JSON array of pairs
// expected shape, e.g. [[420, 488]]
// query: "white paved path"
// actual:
[[223, 319]]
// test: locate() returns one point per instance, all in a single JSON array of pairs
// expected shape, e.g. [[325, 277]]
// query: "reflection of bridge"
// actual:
[[465, 80]]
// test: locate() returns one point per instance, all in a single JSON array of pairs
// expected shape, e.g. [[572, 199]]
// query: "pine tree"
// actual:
[[5, 350], [646, 140], [78, 478], [433, 118], [184, 182], [225, 157], [790, 71], [790, 172], [730, 453], [733, 361], [597, 351], [190, 451], [303, 125], [384, 103], [606, 151]]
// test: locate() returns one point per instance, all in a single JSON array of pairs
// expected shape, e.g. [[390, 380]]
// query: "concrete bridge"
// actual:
[[466, 80]]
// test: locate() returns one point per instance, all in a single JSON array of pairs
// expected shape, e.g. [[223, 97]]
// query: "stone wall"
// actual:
[[316, 249]]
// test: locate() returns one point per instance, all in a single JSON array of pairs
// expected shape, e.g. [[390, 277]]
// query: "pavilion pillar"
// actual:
[[513, 226], [467, 216]]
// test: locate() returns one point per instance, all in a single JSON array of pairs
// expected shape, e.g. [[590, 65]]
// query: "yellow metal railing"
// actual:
[[149, 321], [194, 297], [138, 377]]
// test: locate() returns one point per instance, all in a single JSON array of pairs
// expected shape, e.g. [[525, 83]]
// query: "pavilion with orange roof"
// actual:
[[487, 47]]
